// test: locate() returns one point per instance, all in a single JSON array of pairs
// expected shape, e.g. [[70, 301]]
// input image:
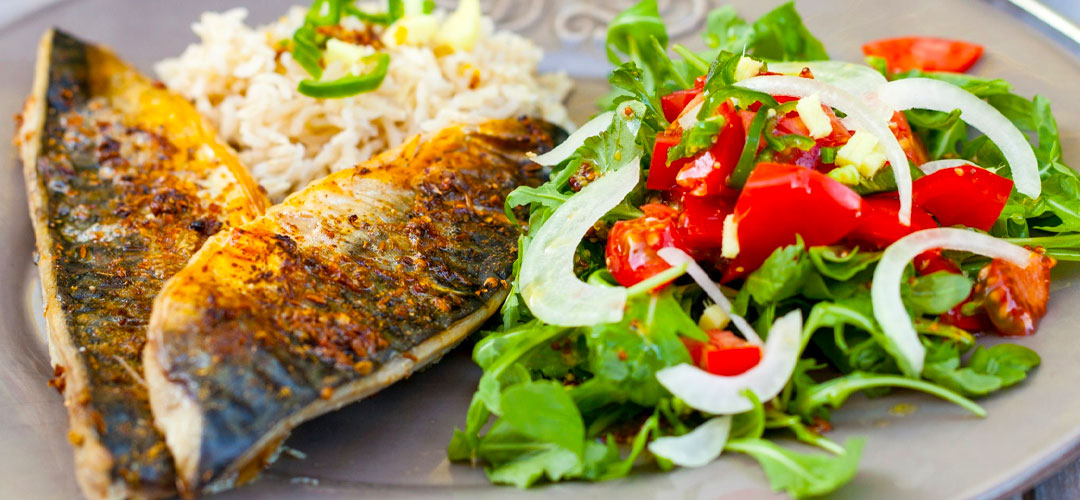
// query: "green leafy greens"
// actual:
[[582, 403]]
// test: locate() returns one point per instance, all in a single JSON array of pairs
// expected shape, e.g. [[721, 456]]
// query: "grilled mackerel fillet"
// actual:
[[124, 182], [341, 290]]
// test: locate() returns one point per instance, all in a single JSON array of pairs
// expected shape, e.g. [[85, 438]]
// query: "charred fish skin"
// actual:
[[116, 210], [339, 291]]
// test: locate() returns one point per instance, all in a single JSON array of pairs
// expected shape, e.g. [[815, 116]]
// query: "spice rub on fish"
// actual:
[[125, 181], [343, 289]]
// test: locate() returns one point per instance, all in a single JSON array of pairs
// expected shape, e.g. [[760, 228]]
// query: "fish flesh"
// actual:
[[125, 181], [344, 288]]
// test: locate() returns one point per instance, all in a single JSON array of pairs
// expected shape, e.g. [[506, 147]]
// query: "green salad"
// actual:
[[749, 235]]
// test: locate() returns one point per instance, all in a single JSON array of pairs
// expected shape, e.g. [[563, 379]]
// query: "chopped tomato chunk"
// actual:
[[781, 201], [1015, 297], [879, 225], [632, 244], [661, 174], [708, 171], [724, 354], [912, 145], [674, 103], [701, 222], [925, 53], [967, 195]]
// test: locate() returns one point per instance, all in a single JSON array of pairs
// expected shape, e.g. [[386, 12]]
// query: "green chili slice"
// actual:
[[349, 85], [749, 153]]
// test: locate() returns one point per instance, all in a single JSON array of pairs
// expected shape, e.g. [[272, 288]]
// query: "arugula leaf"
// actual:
[[521, 461], [726, 31], [811, 401], [935, 293], [943, 367], [616, 146], [628, 81], [632, 28], [750, 424], [499, 356], [629, 353], [545, 412], [780, 420], [988, 369], [841, 263], [802, 475], [781, 275], [1008, 362], [778, 35]]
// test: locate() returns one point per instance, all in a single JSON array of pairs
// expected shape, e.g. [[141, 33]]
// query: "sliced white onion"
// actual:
[[903, 342], [696, 448], [856, 79], [721, 395], [939, 165], [927, 93], [551, 290], [677, 257], [576, 140], [858, 113]]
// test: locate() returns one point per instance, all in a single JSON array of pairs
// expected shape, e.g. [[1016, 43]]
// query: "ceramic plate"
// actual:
[[393, 444]]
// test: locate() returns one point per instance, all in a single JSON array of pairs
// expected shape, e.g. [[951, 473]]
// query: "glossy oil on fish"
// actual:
[[125, 182], [343, 289]]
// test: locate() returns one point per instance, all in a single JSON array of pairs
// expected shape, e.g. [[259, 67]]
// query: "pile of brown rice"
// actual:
[[247, 87]]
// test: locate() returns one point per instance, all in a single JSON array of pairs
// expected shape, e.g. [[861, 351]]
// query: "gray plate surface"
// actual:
[[392, 445]]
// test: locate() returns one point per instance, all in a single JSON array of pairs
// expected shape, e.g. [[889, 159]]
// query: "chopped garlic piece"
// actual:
[[414, 30], [344, 52], [747, 68], [814, 117], [462, 28], [729, 248], [864, 152], [714, 318]]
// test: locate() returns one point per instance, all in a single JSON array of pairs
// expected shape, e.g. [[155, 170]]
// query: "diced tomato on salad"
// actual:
[[788, 196], [781, 202], [925, 53], [632, 244], [967, 195], [723, 354]]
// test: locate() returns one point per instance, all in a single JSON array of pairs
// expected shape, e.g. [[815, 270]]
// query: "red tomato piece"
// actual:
[[912, 145], [781, 201], [674, 103], [879, 225], [967, 195], [1015, 297], [724, 354], [708, 171], [632, 244], [976, 323], [701, 222], [661, 175], [931, 261], [925, 53]]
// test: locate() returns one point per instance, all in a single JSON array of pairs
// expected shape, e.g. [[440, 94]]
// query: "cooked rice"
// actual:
[[248, 90]]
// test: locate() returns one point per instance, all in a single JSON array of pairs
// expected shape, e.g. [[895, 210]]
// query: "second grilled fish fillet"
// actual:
[[125, 181], [343, 289]]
